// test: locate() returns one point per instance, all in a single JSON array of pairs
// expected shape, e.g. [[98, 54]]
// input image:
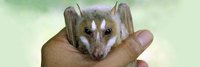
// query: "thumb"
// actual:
[[129, 49]]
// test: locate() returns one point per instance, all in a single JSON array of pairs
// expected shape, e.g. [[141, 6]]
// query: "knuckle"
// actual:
[[133, 48]]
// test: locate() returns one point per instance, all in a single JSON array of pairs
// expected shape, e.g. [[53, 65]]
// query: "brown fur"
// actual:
[[104, 38]]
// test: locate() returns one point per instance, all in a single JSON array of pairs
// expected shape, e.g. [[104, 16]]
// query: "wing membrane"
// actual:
[[70, 21]]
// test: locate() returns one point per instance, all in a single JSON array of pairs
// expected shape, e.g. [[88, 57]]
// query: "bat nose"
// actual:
[[98, 52], [97, 56]]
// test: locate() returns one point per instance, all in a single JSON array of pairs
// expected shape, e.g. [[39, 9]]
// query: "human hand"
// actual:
[[57, 52]]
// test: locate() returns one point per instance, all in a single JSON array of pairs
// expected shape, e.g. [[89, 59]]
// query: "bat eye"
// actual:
[[108, 31], [87, 31]]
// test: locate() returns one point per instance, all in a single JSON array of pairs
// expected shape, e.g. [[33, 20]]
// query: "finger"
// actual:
[[60, 39], [142, 63], [57, 49], [129, 49], [62, 35], [144, 37]]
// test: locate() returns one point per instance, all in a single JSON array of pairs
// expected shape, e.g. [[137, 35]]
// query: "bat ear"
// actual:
[[114, 9], [125, 16], [80, 9], [70, 21]]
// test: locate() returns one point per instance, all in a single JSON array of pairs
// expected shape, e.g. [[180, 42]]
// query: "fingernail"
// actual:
[[144, 37], [142, 63]]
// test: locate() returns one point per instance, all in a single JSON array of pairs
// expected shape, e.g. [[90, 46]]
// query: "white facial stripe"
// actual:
[[97, 35], [85, 41], [93, 25], [111, 41], [103, 24]]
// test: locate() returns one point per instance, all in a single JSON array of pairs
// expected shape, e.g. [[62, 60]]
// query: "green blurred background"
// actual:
[[25, 25]]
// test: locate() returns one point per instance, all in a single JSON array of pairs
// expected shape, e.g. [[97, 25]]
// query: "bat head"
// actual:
[[98, 36], [98, 30]]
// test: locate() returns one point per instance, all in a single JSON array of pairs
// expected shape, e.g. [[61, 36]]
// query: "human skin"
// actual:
[[57, 52]]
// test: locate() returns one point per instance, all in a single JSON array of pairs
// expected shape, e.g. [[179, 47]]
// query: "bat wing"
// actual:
[[126, 19], [70, 21], [125, 16]]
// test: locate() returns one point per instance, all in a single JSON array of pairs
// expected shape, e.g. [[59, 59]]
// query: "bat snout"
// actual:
[[97, 55]]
